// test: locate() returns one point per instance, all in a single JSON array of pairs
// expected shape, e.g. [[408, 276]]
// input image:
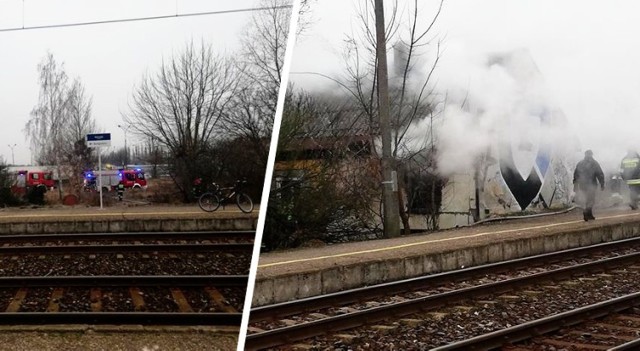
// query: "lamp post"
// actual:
[[126, 151], [13, 159], [391, 222]]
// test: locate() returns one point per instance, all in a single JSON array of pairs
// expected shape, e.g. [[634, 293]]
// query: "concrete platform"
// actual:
[[117, 338], [290, 275], [122, 219]]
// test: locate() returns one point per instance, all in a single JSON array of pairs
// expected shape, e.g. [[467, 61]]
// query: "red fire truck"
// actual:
[[132, 178], [25, 180]]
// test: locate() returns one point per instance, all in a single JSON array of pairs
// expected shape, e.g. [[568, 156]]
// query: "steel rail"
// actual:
[[126, 248], [248, 235], [122, 318], [288, 334], [631, 345], [125, 281], [545, 325], [284, 309]]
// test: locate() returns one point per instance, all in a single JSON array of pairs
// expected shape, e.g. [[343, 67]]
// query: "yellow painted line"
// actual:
[[398, 247]]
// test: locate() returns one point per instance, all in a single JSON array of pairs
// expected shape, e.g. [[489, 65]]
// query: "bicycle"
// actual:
[[211, 200]]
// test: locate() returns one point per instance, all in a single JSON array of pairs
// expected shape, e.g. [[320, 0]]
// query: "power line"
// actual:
[[136, 19]]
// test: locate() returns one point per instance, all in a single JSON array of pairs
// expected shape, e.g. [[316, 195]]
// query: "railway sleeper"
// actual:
[[25, 299]]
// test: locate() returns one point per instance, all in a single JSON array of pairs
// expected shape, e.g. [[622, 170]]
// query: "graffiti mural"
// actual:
[[525, 159], [524, 190], [525, 148]]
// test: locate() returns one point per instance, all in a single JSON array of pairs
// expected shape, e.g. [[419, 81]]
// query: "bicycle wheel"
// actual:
[[209, 202], [244, 202]]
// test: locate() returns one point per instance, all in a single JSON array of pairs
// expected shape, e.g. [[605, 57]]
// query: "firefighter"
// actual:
[[585, 179], [198, 187], [630, 170], [120, 190]]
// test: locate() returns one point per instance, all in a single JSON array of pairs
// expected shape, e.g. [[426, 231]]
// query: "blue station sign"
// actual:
[[98, 139]]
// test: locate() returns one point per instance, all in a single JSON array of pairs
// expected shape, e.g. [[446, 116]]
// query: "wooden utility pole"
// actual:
[[390, 181]]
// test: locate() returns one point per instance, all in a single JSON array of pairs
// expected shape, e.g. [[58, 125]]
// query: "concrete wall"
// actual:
[[295, 286], [458, 198]]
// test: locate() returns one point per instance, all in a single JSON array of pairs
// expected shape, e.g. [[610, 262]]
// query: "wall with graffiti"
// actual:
[[512, 184], [525, 155], [534, 165], [503, 190]]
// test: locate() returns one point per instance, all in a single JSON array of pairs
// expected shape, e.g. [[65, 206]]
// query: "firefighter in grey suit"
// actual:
[[586, 177]]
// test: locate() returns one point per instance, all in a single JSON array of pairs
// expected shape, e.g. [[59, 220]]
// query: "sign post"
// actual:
[[99, 141]]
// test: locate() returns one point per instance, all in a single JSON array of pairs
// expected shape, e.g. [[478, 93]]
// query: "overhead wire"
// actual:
[[137, 19]]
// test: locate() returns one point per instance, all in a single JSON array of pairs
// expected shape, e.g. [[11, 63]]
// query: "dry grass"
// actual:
[[159, 191]]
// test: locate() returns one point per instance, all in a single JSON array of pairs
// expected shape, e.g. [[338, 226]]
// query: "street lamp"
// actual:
[[13, 159], [126, 151]]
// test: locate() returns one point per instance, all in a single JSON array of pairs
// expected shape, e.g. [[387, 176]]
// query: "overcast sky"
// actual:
[[108, 58], [588, 53]]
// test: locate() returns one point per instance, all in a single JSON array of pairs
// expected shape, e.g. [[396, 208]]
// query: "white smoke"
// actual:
[[604, 122], [462, 137], [498, 98]]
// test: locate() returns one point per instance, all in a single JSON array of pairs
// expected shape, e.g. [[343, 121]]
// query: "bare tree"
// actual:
[[181, 105], [327, 172], [59, 121], [264, 44], [305, 17], [79, 123], [45, 128], [154, 155], [261, 64], [411, 88], [318, 191], [79, 120]]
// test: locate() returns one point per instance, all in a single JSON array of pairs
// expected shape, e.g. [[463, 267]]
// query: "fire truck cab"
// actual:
[[35, 178], [133, 178]]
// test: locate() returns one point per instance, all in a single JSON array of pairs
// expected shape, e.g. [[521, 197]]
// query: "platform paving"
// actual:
[[289, 275], [122, 218]]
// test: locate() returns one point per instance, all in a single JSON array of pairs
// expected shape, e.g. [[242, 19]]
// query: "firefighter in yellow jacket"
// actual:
[[120, 190], [630, 169]]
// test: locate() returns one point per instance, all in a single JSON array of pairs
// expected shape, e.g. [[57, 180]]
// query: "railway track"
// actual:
[[125, 248], [582, 328], [222, 236], [127, 242], [152, 278], [286, 323], [93, 301]]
